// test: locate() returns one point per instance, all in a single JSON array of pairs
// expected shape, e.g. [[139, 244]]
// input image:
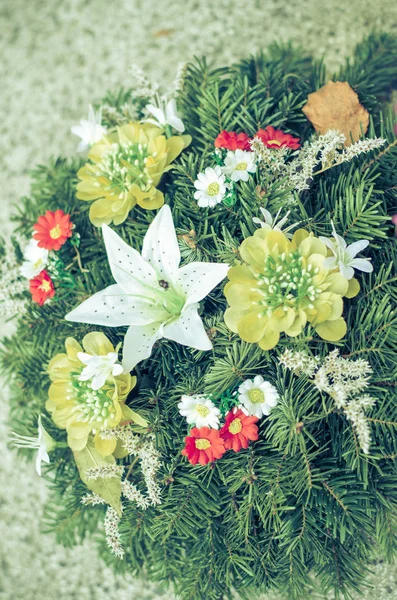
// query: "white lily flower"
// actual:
[[99, 368], [344, 255], [239, 164], [36, 259], [152, 295], [274, 223], [199, 411], [165, 114], [44, 443], [90, 131]]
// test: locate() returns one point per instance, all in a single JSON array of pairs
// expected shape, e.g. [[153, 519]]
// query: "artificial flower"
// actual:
[[203, 446], [239, 164], [281, 285], [125, 168], [165, 114], [257, 396], [53, 229], [78, 408], [211, 187], [344, 256], [273, 223], [233, 141], [238, 430], [153, 295], [276, 138], [394, 221], [99, 368], [199, 411], [90, 131], [44, 443], [36, 259], [42, 288]]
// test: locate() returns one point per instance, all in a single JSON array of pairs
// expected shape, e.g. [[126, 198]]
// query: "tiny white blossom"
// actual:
[[239, 164], [210, 186], [344, 255], [99, 368], [44, 443], [257, 396], [36, 259], [274, 223], [199, 411], [89, 130], [165, 114]]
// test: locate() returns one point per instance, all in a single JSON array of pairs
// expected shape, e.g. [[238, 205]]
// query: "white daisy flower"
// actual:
[[90, 131], [239, 164], [344, 255], [211, 187], [273, 223], [257, 396], [44, 443], [99, 368], [199, 411], [36, 259]]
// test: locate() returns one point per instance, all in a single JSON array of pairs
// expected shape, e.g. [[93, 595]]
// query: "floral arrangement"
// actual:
[[205, 345]]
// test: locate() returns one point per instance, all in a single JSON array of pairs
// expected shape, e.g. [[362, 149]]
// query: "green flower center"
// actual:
[[93, 406], [202, 410], [213, 189], [241, 166], [235, 426], [202, 444], [124, 164], [285, 282], [256, 396]]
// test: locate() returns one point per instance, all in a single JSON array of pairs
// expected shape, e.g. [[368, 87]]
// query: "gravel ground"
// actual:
[[56, 57]]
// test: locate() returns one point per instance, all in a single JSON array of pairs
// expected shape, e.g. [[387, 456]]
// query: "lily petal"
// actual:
[[199, 278], [356, 247], [362, 264], [138, 344], [160, 246], [189, 330]]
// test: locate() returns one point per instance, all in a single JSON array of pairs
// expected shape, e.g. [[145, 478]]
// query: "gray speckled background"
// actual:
[[56, 57]]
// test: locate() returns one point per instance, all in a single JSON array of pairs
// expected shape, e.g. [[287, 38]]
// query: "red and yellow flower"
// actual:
[[276, 138], [203, 446], [52, 230], [41, 288], [230, 140], [239, 429]]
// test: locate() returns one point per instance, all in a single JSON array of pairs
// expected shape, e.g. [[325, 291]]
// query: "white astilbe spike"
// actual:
[[113, 538], [92, 500], [105, 472], [131, 492]]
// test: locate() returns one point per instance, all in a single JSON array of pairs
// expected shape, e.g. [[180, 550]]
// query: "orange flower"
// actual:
[[203, 445], [275, 138], [230, 140], [41, 288], [238, 430], [52, 229]]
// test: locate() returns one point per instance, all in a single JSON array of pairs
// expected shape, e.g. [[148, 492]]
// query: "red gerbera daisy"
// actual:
[[53, 229], [203, 445], [230, 140], [41, 288], [238, 430], [275, 138]]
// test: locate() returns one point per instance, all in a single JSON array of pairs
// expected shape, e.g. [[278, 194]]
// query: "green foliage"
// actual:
[[303, 498]]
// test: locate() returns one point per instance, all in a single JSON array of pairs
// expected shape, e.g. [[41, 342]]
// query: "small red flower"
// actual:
[[230, 140], [275, 138], [53, 229], [41, 288], [203, 446], [238, 430]]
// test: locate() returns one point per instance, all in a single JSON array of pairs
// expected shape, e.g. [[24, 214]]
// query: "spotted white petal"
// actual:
[[198, 279], [160, 247], [138, 344], [188, 330]]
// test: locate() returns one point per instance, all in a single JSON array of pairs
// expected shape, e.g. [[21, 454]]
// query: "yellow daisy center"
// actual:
[[213, 189], [235, 426], [256, 396], [241, 166], [274, 142], [202, 444], [202, 410], [45, 286], [55, 232]]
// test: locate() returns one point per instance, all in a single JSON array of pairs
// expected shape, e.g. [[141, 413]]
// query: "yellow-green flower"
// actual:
[[125, 169], [80, 409], [281, 286]]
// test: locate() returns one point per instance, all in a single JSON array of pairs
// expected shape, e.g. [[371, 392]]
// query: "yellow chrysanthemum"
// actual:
[[282, 286], [125, 169], [78, 408]]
